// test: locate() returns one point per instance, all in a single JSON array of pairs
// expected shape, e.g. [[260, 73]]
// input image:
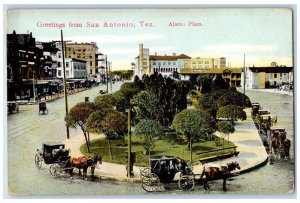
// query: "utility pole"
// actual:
[[129, 144], [33, 83], [106, 74], [65, 83], [110, 75], [244, 75]]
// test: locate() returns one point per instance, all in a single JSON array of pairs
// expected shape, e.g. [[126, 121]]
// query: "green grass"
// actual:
[[169, 146]]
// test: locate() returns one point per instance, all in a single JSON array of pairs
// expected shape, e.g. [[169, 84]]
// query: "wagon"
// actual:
[[255, 108], [12, 107], [54, 154], [43, 108], [279, 141], [163, 170], [102, 92]]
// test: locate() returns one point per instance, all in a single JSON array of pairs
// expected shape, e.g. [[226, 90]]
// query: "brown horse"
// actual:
[[214, 171], [83, 163], [286, 143]]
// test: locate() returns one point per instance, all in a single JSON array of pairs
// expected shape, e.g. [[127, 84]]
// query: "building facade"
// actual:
[[166, 65], [231, 75], [199, 63], [25, 67], [265, 77], [86, 52]]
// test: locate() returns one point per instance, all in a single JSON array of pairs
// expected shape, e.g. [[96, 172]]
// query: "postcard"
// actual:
[[160, 101]]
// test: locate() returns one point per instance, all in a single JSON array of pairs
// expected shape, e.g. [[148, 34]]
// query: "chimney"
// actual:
[[155, 54], [174, 54]]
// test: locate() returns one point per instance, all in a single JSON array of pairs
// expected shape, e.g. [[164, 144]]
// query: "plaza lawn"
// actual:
[[167, 147]]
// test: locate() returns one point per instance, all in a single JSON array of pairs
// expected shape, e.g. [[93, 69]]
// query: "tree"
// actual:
[[234, 98], [219, 83], [114, 126], [150, 131], [110, 122], [194, 124], [146, 103], [78, 115], [231, 112], [225, 128]]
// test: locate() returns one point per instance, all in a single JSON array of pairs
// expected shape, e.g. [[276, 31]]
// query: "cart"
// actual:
[[54, 154], [163, 170]]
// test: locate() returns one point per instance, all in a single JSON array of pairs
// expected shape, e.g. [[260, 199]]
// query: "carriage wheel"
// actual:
[[150, 182], [145, 171], [54, 170], [38, 161], [186, 183]]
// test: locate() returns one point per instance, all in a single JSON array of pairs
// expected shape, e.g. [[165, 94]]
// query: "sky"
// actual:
[[263, 35]]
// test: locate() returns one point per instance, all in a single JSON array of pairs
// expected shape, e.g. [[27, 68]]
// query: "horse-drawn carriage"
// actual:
[[279, 142], [12, 106], [255, 108], [60, 161], [163, 170], [102, 91], [54, 154], [167, 169], [43, 107]]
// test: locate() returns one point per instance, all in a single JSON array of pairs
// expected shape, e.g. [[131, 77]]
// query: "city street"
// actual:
[[27, 130]]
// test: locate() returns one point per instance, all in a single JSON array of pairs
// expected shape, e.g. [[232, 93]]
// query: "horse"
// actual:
[[214, 171], [83, 163], [286, 143], [273, 120], [275, 144]]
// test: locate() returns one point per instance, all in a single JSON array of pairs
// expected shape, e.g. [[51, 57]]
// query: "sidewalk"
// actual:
[[106, 170], [246, 138], [274, 90]]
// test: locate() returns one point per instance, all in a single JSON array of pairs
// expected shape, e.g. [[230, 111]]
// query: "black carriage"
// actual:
[[54, 154], [12, 107], [43, 108], [163, 170], [102, 92]]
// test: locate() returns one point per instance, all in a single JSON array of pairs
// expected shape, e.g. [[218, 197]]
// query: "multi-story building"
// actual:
[[199, 62], [78, 69], [167, 65], [142, 63], [25, 66], [146, 64], [86, 52], [264, 77], [231, 75]]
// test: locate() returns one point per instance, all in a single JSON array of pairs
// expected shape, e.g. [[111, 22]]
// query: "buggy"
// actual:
[[43, 108], [163, 170], [255, 108], [102, 92], [54, 154], [279, 141], [12, 107]]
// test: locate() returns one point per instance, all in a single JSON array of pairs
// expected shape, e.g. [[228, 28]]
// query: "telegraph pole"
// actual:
[[106, 74], [65, 83], [244, 75], [110, 70], [129, 144]]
